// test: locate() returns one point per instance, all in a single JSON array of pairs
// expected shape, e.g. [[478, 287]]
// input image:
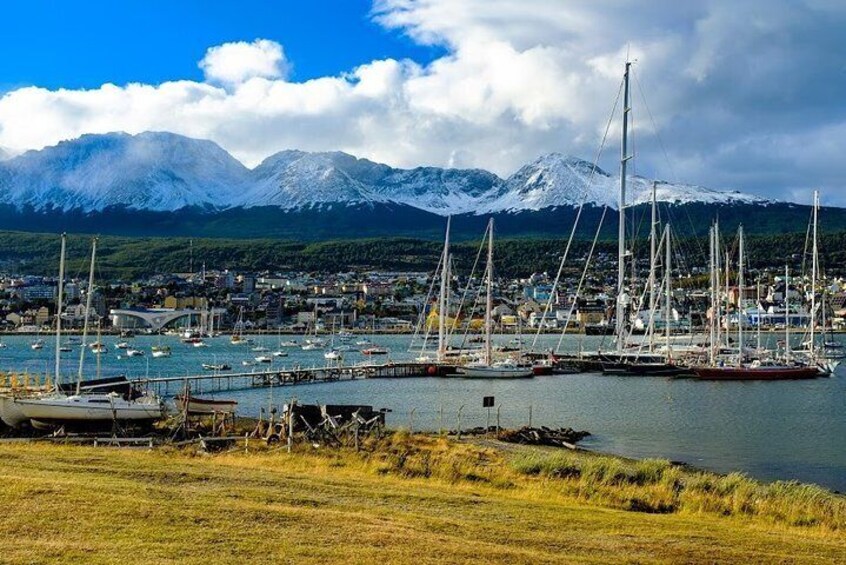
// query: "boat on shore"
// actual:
[[205, 406]]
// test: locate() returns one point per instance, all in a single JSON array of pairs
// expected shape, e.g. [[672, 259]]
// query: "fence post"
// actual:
[[441, 420], [458, 436], [497, 420], [530, 415]]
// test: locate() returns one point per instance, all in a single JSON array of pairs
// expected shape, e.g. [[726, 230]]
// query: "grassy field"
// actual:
[[409, 500]]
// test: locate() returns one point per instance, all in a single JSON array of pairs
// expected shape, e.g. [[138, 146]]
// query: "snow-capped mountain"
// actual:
[[148, 171], [294, 179], [559, 180], [168, 172]]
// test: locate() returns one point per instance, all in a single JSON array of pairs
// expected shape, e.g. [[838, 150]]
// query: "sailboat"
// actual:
[[486, 367], [61, 407], [237, 338], [760, 368]]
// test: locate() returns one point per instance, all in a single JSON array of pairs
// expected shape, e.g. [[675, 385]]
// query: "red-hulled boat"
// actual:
[[757, 372]]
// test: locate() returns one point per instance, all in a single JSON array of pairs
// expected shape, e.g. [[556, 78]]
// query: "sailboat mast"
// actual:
[[668, 290], [652, 285], [443, 297], [621, 248], [489, 297], [740, 283], [714, 308], [787, 312], [814, 279], [718, 305], [87, 316], [758, 309], [59, 299]]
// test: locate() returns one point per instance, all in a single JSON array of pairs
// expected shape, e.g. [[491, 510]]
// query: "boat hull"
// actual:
[[207, 407], [496, 372], [644, 369], [755, 374], [79, 410], [11, 413]]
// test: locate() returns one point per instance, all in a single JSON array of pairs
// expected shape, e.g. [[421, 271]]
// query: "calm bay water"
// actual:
[[776, 430]]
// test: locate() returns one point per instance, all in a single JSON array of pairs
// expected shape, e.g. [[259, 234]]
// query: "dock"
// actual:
[[220, 381]]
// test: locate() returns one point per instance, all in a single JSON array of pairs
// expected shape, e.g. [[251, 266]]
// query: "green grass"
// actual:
[[654, 485], [407, 500]]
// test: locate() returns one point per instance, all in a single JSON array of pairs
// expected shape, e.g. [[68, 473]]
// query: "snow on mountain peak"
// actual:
[[164, 172]]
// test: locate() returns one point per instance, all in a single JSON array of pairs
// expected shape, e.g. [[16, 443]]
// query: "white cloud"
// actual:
[[234, 63], [519, 78]]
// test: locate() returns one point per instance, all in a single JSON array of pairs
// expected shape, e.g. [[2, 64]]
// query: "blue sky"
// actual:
[[85, 44], [743, 95]]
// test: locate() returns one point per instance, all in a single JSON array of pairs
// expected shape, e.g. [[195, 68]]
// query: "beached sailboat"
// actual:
[[205, 406], [62, 407]]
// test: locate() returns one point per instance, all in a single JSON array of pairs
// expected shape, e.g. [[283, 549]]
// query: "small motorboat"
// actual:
[[121, 345], [264, 359], [332, 355], [280, 353], [161, 351], [37, 344], [134, 352], [217, 367], [375, 350], [289, 343]]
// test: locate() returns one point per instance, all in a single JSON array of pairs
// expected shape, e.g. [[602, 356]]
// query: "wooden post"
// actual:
[[530, 415], [497, 420], [458, 436], [441, 420], [291, 425]]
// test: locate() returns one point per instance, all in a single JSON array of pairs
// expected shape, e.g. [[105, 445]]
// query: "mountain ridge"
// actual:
[[165, 172]]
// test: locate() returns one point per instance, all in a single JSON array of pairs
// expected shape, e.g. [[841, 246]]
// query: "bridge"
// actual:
[[157, 319]]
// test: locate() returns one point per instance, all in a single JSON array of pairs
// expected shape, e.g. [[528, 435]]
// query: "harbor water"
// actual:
[[785, 430]]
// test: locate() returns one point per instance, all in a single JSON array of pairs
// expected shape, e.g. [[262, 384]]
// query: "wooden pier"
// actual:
[[219, 381]]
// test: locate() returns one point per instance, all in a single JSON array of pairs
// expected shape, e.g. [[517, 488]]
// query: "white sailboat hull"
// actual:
[[485, 372], [10, 412], [88, 408]]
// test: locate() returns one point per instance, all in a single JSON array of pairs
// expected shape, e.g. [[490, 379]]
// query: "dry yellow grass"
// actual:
[[408, 501]]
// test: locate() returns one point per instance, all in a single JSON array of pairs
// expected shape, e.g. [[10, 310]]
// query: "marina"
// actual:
[[770, 430]]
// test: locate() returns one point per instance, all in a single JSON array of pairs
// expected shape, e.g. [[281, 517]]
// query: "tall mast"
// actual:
[[87, 316], [714, 309], [443, 297], [758, 309], [652, 285], [740, 283], [621, 248], [814, 279], [59, 299], [786, 312], [718, 305], [668, 290], [728, 298], [489, 298]]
